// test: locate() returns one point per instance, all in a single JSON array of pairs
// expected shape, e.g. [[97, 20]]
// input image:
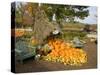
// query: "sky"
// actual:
[[91, 19]]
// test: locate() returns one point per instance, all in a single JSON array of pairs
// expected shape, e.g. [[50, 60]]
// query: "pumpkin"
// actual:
[[64, 53], [19, 33]]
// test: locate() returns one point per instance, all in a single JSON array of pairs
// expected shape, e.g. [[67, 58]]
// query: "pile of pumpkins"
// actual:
[[65, 53], [19, 32]]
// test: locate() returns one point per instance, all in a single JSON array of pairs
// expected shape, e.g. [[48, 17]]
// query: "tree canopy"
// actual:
[[25, 12], [63, 12]]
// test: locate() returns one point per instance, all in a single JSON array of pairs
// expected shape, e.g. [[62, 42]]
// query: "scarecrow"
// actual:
[[43, 29]]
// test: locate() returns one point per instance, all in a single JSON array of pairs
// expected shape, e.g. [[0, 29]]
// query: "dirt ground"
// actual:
[[43, 66]]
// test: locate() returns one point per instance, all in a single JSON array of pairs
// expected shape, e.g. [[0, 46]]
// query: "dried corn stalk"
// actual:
[[42, 26]]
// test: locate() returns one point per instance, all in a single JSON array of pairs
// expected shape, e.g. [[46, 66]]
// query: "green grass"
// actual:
[[74, 25], [70, 35]]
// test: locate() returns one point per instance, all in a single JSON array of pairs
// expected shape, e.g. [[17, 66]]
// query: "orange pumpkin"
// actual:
[[64, 53]]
